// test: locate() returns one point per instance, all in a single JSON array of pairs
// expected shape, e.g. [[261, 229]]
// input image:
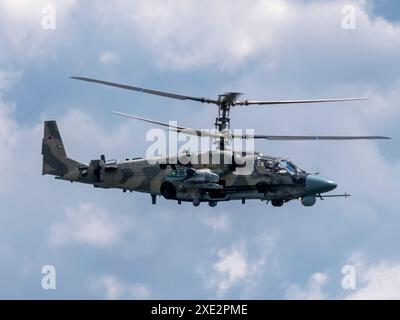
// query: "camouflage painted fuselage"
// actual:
[[196, 177]]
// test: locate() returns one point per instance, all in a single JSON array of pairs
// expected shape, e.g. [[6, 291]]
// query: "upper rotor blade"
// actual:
[[185, 130], [272, 102], [149, 91], [305, 138]]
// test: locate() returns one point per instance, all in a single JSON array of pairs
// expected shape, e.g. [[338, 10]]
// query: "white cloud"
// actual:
[[109, 58], [235, 267], [114, 288], [23, 37], [267, 31], [312, 291], [375, 281], [224, 36], [217, 222], [231, 267], [87, 224]]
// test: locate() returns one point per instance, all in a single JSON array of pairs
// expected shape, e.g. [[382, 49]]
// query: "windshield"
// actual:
[[266, 165], [288, 166]]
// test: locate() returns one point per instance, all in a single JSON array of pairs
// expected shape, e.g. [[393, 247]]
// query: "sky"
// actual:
[[105, 244]]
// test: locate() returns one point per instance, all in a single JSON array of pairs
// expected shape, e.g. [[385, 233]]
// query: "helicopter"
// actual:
[[187, 177]]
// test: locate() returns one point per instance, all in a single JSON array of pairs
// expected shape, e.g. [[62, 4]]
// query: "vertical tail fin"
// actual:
[[55, 160]]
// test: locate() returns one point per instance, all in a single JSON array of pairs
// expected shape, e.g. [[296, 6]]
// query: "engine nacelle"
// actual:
[[308, 201], [200, 176], [204, 176]]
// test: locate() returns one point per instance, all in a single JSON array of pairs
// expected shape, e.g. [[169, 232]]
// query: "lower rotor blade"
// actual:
[[185, 130]]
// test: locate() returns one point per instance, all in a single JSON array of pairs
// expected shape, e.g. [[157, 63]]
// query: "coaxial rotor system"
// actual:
[[225, 102]]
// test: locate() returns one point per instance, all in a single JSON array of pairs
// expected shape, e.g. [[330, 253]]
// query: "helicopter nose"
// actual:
[[316, 184]]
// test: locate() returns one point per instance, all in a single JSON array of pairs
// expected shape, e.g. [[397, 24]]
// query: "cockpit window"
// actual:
[[265, 165], [288, 166]]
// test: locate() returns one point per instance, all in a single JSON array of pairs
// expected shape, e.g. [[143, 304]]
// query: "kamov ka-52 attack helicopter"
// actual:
[[272, 179]]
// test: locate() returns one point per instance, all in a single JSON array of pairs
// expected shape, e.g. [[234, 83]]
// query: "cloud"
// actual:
[[109, 58], [23, 38], [236, 267], [224, 36], [312, 291], [87, 224], [265, 32], [374, 281], [114, 288], [231, 267], [379, 282], [219, 222]]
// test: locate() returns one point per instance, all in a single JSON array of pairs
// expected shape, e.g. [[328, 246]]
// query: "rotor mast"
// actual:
[[222, 122]]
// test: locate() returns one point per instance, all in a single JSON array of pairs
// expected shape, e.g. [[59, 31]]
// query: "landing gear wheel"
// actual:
[[277, 203], [212, 203], [196, 202]]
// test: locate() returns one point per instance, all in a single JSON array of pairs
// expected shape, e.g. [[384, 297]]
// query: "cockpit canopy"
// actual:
[[289, 166], [269, 165]]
